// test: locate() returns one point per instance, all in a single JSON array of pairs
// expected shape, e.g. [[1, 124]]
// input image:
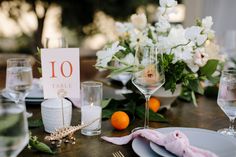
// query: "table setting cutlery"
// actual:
[[118, 154]]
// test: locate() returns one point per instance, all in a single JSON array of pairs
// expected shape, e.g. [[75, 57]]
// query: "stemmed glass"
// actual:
[[227, 99], [14, 134], [56, 42], [149, 75], [18, 80]]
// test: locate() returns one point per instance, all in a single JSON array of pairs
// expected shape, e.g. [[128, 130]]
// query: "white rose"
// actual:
[[168, 3], [139, 21]]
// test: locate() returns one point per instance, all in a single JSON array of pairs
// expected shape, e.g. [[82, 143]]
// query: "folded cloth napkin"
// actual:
[[176, 142]]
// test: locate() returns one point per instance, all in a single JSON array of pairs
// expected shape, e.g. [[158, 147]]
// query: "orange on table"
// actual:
[[120, 120], [154, 104]]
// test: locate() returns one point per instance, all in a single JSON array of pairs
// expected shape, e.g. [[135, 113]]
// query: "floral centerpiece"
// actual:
[[190, 55]]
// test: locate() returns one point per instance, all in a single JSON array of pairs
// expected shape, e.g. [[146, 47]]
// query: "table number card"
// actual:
[[61, 72]]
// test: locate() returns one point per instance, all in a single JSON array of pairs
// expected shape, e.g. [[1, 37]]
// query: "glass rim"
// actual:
[[20, 59], [231, 72], [91, 84]]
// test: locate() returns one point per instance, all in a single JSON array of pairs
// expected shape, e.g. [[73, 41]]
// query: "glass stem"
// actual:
[[146, 120], [231, 124]]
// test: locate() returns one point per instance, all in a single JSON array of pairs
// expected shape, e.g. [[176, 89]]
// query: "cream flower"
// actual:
[[139, 21]]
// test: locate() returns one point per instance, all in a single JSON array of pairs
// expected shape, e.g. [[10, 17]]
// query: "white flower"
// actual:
[[162, 25], [139, 21], [207, 22], [183, 54], [194, 34], [168, 3], [105, 56], [137, 40], [192, 66], [200, 57], [122, 28], [129, 58]]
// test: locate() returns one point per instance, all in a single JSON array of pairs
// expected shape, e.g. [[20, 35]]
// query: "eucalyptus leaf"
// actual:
[[156, 117]]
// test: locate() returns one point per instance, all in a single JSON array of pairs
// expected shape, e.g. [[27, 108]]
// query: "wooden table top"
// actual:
[[207, 115]]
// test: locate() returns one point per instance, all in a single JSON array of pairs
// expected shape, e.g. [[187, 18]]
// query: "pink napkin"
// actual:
[[175, 142]]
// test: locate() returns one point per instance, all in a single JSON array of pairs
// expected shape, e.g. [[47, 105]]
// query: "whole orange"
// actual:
[[119, 120], [154, 104]]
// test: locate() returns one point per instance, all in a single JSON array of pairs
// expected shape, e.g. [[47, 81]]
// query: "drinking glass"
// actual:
[[91, 110], [14, 134], [18, 80], [227, 99], [149, 75], [56, 43]]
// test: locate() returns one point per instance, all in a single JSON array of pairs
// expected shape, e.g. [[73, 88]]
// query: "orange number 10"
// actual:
[[63, 73]]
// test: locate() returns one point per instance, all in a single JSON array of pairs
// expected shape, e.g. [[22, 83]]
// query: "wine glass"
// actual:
[[149, 75], [14, 134], [18, 80], [227, 99], [56, 43]]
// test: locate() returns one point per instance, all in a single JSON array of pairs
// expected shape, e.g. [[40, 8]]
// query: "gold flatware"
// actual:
[[118, 154]]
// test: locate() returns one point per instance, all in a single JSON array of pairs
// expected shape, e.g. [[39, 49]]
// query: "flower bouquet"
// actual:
[[189, 55]]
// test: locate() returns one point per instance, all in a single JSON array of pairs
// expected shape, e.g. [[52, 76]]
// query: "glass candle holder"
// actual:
[[91, 110]]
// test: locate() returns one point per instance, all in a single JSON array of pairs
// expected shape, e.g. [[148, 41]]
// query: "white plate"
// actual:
[[141, 147], [221, 145]]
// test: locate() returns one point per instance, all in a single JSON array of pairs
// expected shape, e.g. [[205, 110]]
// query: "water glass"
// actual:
[[227, 99], [56, 43], [14, 134], [91, 110], [18, 80]]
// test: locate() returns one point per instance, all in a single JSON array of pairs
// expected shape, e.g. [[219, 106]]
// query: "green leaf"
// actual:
[[39, 146], [106, 102], [209, 68], [36, 123], [156, 117], [106, 113], [121, 70], [195, 86]]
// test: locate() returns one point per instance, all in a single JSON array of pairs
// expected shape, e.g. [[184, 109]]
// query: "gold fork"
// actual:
[[118, 154]]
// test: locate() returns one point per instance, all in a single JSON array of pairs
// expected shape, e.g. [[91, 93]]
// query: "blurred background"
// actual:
[[89, 24]]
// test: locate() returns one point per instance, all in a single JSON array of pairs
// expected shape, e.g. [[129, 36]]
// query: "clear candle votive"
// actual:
[[91, 110]]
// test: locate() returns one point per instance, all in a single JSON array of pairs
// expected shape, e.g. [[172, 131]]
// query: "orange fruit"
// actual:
[[119, 120], [154, 104]]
